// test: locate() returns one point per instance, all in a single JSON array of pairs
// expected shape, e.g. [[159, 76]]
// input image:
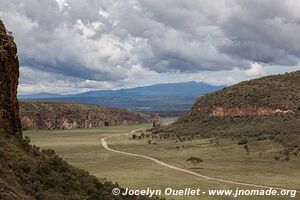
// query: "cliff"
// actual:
[[264, 96], [62, 115], [9, 74], [265, 106], [26, 173]]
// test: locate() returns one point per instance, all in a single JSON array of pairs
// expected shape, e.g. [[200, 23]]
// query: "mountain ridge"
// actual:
[[154, 98], [190, 87], [265, 106]]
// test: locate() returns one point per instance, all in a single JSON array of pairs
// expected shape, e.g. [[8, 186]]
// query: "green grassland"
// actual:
[[226, 160], [82, 148]]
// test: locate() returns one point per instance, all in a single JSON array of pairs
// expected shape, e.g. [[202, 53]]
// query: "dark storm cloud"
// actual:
[[272, 25], [119, 41]]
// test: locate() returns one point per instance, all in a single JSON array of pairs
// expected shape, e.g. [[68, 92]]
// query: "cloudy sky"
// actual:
[[71, 46]]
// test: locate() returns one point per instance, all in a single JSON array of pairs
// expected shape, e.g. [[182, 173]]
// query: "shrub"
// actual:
[[261, 138], [243, 141], [277, 158], [287, 159]]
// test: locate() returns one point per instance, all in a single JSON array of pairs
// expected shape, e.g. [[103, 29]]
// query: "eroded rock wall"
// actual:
[[59, 115], [9, 75], [239, 111]]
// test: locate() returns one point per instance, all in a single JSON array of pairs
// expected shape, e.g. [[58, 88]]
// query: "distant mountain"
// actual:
[[185, 88], [39, 96], [160, 97]]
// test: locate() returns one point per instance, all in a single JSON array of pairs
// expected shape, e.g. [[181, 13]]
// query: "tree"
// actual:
[[286, 152], [134, 136], [194, 160]]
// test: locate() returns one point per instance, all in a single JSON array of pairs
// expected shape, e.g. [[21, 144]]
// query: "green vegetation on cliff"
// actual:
[[277, 91], [25, 171], [269, 106], [28, 173]]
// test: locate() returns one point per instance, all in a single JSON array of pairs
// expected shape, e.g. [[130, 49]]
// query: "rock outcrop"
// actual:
[[264, 106], [9, 75], [156, 122], [239, 111], [260, 97], [26, 173], [62, 115]]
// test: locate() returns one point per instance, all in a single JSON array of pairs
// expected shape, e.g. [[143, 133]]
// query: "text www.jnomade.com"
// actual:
[[213, 192]]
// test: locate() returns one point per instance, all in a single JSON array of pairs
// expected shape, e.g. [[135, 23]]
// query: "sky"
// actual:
[[73, 46]]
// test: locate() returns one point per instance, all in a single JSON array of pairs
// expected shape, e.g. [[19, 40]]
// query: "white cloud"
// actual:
[[62, 4], [109, 43], [255, 70]]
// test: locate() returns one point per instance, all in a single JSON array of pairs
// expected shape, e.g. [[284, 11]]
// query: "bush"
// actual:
[[25, 144], [243, 142], [287, 159], [277, 158], [194, 160], [261, 138]]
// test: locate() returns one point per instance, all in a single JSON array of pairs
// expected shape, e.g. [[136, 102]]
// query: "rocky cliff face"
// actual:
[[25, 172], [265, 106], [9, 74], [261, 97], [61, 115], [219, 110], [239, 111]]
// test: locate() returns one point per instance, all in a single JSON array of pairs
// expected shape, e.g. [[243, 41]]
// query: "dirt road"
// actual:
[[105, 145]]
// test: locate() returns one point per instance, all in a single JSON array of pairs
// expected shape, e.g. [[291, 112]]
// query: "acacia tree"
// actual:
[[194, 160]]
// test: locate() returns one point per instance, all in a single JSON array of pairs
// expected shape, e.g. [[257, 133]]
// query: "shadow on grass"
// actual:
[[195, 168]]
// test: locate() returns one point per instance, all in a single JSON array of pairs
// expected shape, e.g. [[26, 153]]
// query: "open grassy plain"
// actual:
[[82, 148]]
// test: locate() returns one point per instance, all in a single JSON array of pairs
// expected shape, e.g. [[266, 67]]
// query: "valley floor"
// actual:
[[227, 160]]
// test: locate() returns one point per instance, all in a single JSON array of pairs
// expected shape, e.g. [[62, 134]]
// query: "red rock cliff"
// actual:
[[61, 115], [9, 75]]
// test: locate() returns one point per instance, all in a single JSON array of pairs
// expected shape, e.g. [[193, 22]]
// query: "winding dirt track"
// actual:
[[105, 145]]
